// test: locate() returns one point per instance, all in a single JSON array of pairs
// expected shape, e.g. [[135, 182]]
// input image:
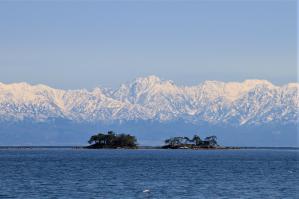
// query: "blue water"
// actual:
[[72, 173]]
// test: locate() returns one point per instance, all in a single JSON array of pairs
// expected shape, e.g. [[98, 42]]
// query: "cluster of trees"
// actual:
[[196, 141], [112, 140]]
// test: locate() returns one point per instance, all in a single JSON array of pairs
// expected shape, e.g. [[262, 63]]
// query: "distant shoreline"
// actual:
[[142, 147]]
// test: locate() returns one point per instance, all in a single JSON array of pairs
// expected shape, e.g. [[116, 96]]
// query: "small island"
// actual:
[[196, 142], [112, 140]]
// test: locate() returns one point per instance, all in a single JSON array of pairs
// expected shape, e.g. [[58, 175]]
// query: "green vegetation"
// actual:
[[112, 140], [195, 143]]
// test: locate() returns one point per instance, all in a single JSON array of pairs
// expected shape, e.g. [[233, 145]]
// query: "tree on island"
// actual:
[[197, 140], [112, 140], [212, 140]]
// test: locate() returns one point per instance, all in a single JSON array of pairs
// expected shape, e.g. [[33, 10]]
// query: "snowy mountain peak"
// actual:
[[293, 85], [255, 82], [150, 98]]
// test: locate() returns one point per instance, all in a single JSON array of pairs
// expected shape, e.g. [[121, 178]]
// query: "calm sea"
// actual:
[[121, 174]]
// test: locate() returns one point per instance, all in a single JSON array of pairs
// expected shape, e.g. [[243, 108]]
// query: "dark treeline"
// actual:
[[112, 140]]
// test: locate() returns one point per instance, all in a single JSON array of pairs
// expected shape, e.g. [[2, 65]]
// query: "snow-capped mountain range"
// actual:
[[251, 102]]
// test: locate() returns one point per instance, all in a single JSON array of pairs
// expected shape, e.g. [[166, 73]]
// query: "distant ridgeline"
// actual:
[[252, 112], [112, 140]]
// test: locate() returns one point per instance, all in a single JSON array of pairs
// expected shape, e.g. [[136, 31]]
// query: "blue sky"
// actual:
[[83, 45]]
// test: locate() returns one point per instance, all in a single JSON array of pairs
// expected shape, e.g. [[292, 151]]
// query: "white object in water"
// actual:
[[146, 190]]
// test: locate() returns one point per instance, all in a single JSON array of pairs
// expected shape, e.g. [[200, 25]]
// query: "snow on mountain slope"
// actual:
[[20, 101], [250, 102]]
